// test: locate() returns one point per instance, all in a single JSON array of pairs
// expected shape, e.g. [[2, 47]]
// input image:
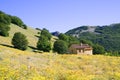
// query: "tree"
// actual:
[[4, 29], [44, 44], [1, 12], [4, 18], [63, 37], [24, 26], [19, 41], [72, 40], [60, 46], [16, 20], [84, 41], [4, 22], [98, 49], [46, 33]]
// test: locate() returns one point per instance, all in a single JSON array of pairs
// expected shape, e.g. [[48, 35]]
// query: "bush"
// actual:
[[72, 40], [2, 12], [60, 46], [4, 29], [4, 18], [43, 44], [38, 29], [63, 37], [16, 20], [24, 26], [84, 41], [98, 49], [19, 41], [46, 33]]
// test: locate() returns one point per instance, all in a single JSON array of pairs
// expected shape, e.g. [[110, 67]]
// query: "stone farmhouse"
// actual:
[[81, 49]]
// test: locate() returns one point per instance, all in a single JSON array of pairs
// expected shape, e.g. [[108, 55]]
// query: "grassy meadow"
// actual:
[[24, 65], [32, 36], [30, 33]]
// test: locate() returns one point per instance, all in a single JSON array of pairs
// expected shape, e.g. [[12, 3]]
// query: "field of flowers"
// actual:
[[23, 65]]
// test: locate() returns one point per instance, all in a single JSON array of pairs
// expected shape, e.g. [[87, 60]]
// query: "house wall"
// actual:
[[72, 50], [88, 52], [80, 51]]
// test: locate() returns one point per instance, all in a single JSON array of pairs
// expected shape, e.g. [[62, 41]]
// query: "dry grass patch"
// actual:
[[23, 65], [30, 33]]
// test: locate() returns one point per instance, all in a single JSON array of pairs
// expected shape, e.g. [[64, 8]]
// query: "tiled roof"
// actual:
[[80, 46]]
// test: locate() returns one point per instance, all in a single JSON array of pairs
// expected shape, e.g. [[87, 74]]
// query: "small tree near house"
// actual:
[[60, 46]]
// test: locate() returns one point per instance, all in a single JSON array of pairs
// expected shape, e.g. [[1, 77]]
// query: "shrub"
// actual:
[[16, 20], [24, 26], [68, 39], [46, 33], [4, 29], [2, 12], [98, 49], [63, 37], [38, 29], [84, 41], [72, 40], [4, 18], [19, 41], [43, 44], [60, 46]]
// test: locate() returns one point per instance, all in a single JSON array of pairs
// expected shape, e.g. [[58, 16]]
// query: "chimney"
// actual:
[[81, 44]]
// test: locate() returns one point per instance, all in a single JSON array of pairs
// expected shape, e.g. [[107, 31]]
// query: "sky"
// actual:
[[63, 15]]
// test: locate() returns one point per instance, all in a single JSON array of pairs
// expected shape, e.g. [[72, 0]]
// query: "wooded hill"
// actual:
[[107, 36]]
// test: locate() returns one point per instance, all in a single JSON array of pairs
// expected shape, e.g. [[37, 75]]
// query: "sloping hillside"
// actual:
[[107, 36], [22, 65], [30, 33]]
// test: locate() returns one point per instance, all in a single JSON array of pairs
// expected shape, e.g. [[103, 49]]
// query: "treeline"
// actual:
[[5, 21], [63, 42], [61, 45]]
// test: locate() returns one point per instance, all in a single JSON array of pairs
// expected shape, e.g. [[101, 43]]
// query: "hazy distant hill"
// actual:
[[107, 36]]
